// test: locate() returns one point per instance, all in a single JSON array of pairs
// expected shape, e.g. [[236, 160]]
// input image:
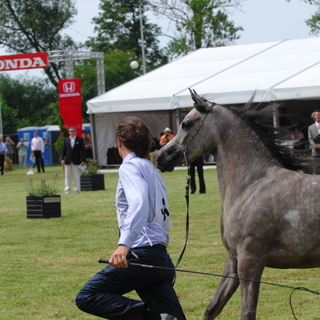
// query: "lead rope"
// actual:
[[184, 150], [188, 177], [224, 276]]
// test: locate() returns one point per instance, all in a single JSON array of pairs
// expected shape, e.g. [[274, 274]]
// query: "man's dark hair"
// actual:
[[135, 135]]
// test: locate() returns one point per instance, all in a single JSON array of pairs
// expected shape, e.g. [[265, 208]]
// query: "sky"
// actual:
[[262, 21], [273, 20]]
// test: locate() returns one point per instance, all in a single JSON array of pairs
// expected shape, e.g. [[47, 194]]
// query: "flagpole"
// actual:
[[142, 40]]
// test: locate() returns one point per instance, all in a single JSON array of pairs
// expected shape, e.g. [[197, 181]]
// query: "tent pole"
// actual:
[[93, 137], [178, 118], [276, 122]]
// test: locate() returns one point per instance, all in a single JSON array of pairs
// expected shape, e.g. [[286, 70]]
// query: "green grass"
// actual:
[[44, 262]]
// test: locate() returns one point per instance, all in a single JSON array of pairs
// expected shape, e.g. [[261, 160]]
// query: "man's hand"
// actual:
[[119, 257]]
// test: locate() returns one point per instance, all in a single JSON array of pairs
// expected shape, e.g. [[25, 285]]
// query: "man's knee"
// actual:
[[82, 302]]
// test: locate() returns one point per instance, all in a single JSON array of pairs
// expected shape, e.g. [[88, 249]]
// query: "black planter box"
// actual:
[[41, 207], [92, 182]]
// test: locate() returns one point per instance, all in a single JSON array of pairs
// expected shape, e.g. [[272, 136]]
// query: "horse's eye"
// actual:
[[186, 124]]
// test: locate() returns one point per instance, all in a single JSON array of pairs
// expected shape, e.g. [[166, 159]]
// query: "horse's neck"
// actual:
[[240, 162]]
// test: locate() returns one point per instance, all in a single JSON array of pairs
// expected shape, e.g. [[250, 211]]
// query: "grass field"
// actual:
[[44, 262]]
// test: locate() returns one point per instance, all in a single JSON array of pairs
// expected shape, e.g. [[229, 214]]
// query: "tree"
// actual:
[[63, 134], [118, 28], [35, 26], [116, 69], [198, 23], [27, 101], [54, 115], [9, 117], [314, 21]]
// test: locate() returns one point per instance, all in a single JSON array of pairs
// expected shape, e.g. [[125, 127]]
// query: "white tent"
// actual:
[[276, 71]]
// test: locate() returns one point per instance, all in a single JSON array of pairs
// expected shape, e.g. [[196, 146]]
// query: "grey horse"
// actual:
[[270, 204]]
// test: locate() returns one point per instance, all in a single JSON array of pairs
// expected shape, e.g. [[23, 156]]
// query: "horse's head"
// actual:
[[192, 137]]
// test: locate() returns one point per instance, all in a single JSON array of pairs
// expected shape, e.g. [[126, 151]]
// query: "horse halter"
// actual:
[[184, 148]]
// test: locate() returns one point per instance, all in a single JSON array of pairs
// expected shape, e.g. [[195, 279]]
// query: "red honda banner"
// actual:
[[24, 61], [70, 101]]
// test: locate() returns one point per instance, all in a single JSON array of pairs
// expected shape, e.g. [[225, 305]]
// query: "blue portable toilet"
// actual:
[[86, 127], [27, 134], [52, 134], [45, 132]]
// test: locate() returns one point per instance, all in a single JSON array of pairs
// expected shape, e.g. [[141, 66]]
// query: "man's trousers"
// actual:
[[72, 171], [103, 294]]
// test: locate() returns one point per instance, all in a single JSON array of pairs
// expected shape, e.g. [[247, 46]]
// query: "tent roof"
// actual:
[[227, 75]]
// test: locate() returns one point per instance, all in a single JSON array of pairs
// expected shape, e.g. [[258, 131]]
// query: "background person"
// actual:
[[143, 219], [46, 143], [166, 137], [199, 164], [89, 147], [10, 147], [3, 151], [37, 148], [31, 169], [313, 132], [33, 160], [84, 137], [73, 154], [301, 143], [22, 146]]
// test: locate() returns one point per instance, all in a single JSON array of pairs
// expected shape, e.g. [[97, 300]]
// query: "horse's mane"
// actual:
[[260, 120]]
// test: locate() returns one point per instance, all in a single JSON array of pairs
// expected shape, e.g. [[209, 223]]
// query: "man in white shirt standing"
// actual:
[[143, 220], [73, 154], [37, 148]]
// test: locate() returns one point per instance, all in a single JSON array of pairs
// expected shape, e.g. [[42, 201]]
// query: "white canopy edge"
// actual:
[[287, 71], [154, 90]]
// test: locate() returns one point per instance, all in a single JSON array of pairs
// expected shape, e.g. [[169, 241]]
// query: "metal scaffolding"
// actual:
[[70, 56]]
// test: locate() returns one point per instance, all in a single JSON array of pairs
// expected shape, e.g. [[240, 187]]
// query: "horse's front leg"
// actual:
[[225, 291], [250, 267]]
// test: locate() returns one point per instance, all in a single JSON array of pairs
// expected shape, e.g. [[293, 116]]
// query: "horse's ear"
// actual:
[[201, 104]]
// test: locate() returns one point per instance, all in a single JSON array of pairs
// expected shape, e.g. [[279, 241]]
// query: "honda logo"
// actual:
[[69, 87]]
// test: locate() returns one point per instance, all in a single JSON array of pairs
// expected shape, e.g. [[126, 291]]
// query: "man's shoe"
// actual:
[[165, 316]]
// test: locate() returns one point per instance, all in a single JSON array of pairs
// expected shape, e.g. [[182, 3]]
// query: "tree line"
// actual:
[[37, 25]]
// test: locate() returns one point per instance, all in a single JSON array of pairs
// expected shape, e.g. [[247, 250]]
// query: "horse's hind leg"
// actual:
[[225, 291]]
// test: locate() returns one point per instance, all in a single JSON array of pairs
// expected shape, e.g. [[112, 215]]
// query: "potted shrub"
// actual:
[[91, 179], [43, 200]]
